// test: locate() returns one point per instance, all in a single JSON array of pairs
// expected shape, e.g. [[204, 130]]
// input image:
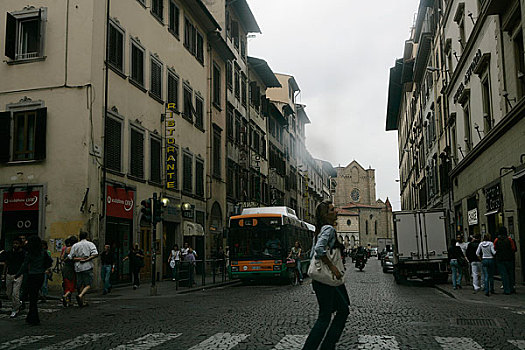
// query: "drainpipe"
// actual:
[[106, 93]]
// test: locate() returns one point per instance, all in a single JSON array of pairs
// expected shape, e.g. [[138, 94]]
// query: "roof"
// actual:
[[199, 9], [346, 212], [262, 69], [221, 46], [293, 84], [245, 15], [301, 113], [394, 95], [357, 205], [276, 113]]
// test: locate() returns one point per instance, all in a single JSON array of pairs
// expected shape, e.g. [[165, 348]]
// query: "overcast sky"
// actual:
[[340, 52]]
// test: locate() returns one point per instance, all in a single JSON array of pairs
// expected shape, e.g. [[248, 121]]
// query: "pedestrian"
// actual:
[[35, 264], [296, 254], [174, 261], [184, 251], [24, 296], [190, 259], [13, 260], [68, 271], [465, 271], [136, 262], [456, 260], [330, 298], [83, 253], [221, 259], [107, 260], [505, 250], [475, 262], [487, 252], [48, 276]]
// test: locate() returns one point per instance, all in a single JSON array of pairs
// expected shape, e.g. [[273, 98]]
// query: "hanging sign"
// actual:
[[16, 201], [473, 217], [171, 152]]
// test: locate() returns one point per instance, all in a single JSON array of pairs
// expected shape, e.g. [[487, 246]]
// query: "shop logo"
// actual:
[[28, 202], [31, 201], [128, 204]]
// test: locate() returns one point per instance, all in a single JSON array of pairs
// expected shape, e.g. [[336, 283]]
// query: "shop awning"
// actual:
[[192, 229]]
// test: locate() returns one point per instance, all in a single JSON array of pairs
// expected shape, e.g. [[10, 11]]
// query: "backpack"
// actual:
[[504, 250]]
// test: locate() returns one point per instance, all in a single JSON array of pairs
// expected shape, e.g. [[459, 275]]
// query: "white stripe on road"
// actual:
[[377, 342], [148, 341], [520, 344], [453, 343], [30, 339], [220, 341], [291, 342], [78, 341]]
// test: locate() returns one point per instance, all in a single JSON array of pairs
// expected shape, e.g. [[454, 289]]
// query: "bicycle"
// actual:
[[293, 272]]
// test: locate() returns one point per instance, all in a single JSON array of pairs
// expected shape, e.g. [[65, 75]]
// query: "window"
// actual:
[[366, 227], [29, 135], [113, 144], [216, 85], [229, 121], [157, 9], [136, 154], [263, 146], [116, 47], [189, 36], [243, 89], [174, 19], [187, 173], [466, 126], [155, 166], [520, 63], [137, 64], [375, 228], [200, 48], [216, 152], [24, 34], [199, 178], [156, 78], [243, 49], [229, 76], [235, 33], [487, 105], [237, 82], [237, 128], [173, 89], [199, 112], [230, 178], [188, 105]]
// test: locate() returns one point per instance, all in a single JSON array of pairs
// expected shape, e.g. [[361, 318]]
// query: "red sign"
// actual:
[[119, 202], [15, 201]]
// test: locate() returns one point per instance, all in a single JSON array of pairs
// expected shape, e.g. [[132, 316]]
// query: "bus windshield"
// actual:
[[257, 243]]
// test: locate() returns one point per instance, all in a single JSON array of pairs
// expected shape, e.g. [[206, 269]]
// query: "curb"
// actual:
[[444, 291], [211, 286]]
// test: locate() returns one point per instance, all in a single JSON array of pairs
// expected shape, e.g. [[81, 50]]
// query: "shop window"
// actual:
[[113, 143], [155, 164], [24, 38], [136, 154]]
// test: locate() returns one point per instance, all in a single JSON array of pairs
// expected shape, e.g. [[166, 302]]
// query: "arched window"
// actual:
[[366, 227]]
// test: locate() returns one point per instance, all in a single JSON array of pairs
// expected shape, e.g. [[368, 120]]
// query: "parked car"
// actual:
[[373, 251], [388, 262]]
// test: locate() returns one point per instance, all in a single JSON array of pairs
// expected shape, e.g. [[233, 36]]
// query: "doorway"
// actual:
[[119, 238]]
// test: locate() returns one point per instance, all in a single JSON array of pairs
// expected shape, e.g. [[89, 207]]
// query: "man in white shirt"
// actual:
[[83, 253]]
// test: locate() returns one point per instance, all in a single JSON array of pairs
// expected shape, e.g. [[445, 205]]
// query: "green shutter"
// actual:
[[40, 133]]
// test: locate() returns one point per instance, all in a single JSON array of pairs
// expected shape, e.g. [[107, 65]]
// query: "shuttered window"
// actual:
[[229, 121], [137, 64], [155, 155], [113, 143], [156, 78], [116, 47], [29, 135], [243, 89], [136, 156], [24, 31], [199, 53], [216, 85], [188, 106], [157, 9], [199, 113], [187, 173], [5, 136], [173, 89], [230, 178], [229, 75], [216, 153], [199, 178], [174, 19]]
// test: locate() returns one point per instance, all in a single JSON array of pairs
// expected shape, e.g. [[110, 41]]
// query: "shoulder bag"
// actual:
[[320, 272]]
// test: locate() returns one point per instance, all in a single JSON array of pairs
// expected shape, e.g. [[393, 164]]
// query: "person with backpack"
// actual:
[[36, 263], [505, 249], [475, 262]]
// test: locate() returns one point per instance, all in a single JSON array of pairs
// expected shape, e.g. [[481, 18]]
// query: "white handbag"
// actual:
[[320, 272]]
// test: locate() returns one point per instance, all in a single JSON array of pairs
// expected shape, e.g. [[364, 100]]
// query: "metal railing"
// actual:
[[200, 274]]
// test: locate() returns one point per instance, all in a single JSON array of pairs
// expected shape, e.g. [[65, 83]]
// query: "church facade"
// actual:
[[362, 218]]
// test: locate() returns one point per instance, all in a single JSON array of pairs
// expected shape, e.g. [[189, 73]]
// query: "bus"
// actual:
[[260, 240]]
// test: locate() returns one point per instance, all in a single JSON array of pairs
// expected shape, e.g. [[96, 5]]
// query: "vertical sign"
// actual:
[[171, 160]]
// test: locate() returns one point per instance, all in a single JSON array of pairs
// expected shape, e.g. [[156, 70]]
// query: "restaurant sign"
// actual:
[[171, 152]]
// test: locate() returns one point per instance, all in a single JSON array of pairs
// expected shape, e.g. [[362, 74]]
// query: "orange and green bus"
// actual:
[[260, 240]]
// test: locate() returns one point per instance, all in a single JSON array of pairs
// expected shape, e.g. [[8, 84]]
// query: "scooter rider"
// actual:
[[360, 256]]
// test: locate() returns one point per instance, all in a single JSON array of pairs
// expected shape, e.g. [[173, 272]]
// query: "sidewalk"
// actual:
[[467, 294]]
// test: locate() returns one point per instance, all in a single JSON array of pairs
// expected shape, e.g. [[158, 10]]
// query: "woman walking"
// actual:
[[136, 262], [296, 254], [36, 262], [68, 272], [457, 260], [329, 298], [487, 253], [173, 261]]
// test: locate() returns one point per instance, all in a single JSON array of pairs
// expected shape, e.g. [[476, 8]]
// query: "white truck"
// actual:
[[384, 243], [420, 245]]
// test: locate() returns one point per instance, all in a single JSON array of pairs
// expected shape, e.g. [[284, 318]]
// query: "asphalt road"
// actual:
[[383, 315]]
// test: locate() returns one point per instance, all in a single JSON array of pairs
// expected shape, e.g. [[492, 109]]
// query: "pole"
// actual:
[[153, 289]]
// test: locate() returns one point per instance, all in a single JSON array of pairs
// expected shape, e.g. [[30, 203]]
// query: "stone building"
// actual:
[[355, 199], [456, 99]]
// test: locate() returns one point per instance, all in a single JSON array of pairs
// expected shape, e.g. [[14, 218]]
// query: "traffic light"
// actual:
[[157, 210], [146, 210]]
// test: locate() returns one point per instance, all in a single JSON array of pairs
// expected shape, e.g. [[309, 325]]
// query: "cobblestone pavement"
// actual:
[[383, 315]]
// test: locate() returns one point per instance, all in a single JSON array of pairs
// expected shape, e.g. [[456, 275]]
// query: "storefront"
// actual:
[[493, 212], [21, 214], [120, 205], [171, 234], [518, 186]]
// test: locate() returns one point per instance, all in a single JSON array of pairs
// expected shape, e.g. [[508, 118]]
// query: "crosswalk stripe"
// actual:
[[291, 342], [30, 339], [148, 341], [453, 343], [377, 342], [220, 341], [78, 341], [520, 344]]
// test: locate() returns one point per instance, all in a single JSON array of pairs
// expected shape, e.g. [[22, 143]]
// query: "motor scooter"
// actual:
[[360, 262]]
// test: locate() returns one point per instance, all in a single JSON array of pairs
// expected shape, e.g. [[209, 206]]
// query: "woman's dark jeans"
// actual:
[[330, 299], [34, 283], [136, 274]]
